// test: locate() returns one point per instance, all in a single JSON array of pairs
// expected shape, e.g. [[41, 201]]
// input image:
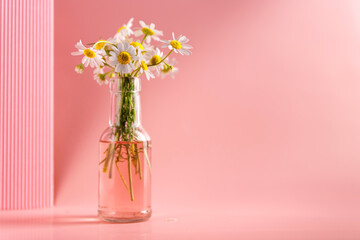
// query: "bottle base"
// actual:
[[124, 217]]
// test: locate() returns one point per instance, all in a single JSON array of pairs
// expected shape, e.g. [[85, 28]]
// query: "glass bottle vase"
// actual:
[[125, 158]]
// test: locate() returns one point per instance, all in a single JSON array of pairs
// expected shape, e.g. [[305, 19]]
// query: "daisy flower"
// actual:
[[169, 69], [138, 46], [99, 76], [91, 55], [144, 69], [143, 48], [124, 31], [100, 44], [149, 31], [122, 57], [178, 45], [104, 46], [112, 76], [79, 68], [154, 56]]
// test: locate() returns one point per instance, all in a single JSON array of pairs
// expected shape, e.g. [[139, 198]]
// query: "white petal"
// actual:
[[126, 46], [115, 50], [178, 39], [186, 40], [120, 46], [152, 26], [185, 46], [173, 35], [83, 60], [126, 68], [129, 25], [183, 39], [118, 68], [131, 50], [158, 32], [132, 66], [114, 63], [86, 62], [92, 62], [77, 53], [155, 38], [185, 51], [138, 33], [142, 23], [80, 46], [147, 75], [99, 61], [135, 58]]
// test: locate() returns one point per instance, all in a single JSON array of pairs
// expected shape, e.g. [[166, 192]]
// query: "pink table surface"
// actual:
[[247, 222]]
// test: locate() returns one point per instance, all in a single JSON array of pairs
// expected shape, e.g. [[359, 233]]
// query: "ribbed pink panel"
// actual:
[[26, 104]]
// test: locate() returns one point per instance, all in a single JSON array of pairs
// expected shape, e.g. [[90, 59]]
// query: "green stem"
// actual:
[[122, 177], [144, 39], [124, 132], [108, 156], [133, 74], [162, 59], [111, 164], [138, 160], [130, 175], [147, 158], [109, 66], [108, 72]]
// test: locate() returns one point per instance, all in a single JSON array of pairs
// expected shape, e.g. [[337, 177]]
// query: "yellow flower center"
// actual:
[[123, 27], [101, 77], [89, 53], [100, 45], [155, 59], [175, 44], [144, 65], [124, 58], [137, 44], [167, 69], [147, 31]]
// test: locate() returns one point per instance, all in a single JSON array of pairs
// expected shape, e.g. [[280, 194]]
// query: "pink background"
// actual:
[[263, 116]]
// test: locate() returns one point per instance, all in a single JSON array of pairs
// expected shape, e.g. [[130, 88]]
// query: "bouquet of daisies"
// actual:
[[120, 59], [131, 53]]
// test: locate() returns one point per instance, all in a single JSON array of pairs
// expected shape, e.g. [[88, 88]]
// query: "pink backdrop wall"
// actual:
[[265, 113], [26, 103]]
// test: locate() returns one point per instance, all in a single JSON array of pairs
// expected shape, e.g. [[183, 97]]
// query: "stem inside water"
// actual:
[[125, 147], [122, 177]]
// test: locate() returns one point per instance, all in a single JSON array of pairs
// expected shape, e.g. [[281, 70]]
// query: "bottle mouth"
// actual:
[[125, 84]]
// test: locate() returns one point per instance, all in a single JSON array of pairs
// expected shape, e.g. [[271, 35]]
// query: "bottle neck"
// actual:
[[125, 104]]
